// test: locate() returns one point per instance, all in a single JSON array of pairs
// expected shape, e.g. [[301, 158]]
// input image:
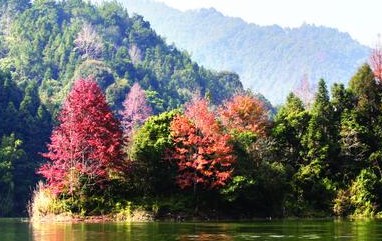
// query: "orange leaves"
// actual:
[[202, 150], [198, 111], [202, 146], [244, 113]]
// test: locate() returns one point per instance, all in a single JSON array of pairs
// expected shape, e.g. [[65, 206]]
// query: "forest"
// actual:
[[114, 121]]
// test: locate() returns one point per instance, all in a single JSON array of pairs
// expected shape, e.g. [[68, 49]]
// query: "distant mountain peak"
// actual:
[[269, 59]]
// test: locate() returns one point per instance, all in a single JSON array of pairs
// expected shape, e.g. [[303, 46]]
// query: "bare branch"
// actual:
[[88, 42]]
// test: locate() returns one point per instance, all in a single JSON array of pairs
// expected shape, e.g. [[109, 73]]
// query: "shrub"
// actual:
[[44, 203]]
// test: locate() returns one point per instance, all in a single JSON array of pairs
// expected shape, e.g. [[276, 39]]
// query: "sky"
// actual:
[[362, 19]]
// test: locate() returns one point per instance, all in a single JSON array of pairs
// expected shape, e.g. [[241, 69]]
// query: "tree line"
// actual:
[[227, 160]]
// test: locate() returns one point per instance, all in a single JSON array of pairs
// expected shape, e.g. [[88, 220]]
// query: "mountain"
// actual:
[[54, 43], [269, 59]]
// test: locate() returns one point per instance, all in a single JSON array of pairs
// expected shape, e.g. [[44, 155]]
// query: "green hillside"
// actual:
[[44, 44]]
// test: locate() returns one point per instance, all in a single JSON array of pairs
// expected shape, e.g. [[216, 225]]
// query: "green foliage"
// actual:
[[355, 147], [290, 126], [24, 119], [47, 43], [362, 192], [312, 190], [360, 199], [320, 161], [320, 139], [96, 69], [263, 193], [123, 213], [367, 92], [148, 155], [10, 153], [329, 147], [238, 186]]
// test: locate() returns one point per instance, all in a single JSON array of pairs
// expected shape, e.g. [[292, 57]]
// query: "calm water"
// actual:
[[20, 230]]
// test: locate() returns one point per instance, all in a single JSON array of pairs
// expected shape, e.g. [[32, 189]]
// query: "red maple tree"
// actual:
[[244, 113], [87, 142], [136, 109], [202, 152]]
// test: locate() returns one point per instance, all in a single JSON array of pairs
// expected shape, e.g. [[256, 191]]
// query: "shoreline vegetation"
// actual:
[[205, 163], [46, 207]]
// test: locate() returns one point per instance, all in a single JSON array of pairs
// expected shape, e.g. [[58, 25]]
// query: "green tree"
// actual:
[[321, 138], [367, 93], [360, 199], [10, 153], [153, 174], [290, 126], [314, 179], [361, 130]]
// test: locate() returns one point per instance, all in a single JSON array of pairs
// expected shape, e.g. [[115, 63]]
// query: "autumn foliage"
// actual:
[[244, 113], [202, 152], [375, 60], [86, 145], [136, 109]]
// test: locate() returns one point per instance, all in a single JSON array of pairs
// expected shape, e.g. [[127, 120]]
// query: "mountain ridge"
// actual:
[[265, 57]]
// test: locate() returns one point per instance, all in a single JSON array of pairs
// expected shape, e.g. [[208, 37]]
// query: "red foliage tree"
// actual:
[[375, 61], [244, 113], [202, 152], [198, 111], [136, 109], [86, 143]]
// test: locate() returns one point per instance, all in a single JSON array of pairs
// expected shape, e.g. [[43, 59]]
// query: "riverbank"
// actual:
[[135, 216]]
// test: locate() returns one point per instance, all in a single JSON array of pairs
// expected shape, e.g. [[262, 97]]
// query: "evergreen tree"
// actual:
[[314, 179], [10, 153], [366, 130], [321, 138], [290, 126], [367, 93]]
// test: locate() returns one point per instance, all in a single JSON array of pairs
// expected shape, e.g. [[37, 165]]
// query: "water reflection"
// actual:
[[364, 230], [208, 232], [16, 230], [53, 231]]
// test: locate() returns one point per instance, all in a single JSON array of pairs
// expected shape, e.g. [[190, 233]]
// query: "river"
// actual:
[[21, 229]]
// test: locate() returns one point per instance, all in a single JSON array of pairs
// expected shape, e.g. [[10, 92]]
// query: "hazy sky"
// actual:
[[361, 18]]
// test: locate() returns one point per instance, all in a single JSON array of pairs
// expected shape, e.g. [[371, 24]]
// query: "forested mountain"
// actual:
[[46, 45], [269, 59], [53, 43]]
